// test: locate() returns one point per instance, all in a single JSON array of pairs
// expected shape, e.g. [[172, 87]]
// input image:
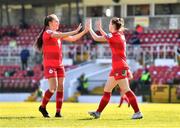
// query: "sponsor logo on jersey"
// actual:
[[50, 71], [124, 72]]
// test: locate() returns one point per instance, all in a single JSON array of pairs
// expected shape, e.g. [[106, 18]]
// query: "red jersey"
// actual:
[[52, 50], [118, 49]]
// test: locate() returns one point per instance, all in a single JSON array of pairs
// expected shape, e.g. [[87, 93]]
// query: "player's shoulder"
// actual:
[[49, 31], [109, 35]]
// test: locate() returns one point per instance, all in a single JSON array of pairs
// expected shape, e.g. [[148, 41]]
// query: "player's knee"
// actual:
[[107, 90], [60, 88], [126, 89], [52, 89]]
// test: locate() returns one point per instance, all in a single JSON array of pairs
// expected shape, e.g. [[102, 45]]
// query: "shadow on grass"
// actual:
[[22, 117], [85, 119]]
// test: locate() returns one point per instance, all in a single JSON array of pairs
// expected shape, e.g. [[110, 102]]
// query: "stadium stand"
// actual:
[[27, 36], [13, 79], [152, 36], [160, 74]]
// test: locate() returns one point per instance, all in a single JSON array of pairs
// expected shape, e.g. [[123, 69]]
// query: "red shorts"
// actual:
[[54, 72], [119, 74]]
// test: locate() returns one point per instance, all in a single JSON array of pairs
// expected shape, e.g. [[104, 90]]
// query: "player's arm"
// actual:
[[99, 26], [65, 34], [75, 37], [94, 35]]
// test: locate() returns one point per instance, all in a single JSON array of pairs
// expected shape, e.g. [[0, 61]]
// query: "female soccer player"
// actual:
[[120, 68], [49, 42]]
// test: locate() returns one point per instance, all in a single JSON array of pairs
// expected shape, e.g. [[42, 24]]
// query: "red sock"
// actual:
[[59, 101], [46, 98], [121, 100], [132, 100], [104, 101], [126, 99]]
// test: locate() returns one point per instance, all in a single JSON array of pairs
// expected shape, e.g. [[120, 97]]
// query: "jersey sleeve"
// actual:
[[108, 36], [48, 34]]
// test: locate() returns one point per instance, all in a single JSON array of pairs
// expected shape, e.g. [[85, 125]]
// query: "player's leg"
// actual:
[[127, 100], [52, 88], [124, 85], [59, 96], [51, 75], [110, 84], [60, 91], [121, 100]]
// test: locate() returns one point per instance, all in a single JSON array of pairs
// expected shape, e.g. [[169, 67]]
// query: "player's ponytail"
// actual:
[[119, 23], [39, 41]]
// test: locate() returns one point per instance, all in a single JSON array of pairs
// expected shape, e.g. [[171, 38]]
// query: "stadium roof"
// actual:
[[37, 2]]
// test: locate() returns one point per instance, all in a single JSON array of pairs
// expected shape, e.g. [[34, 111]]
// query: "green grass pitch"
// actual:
[[26, 114]]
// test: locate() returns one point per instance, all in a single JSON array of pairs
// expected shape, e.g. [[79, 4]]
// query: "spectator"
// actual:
[[30, 72], [12, 72], [24, 58], [13, 33], [6, 74], [134, 39], [83, 84], [13, 43], [9, 73], [145, 82], [139, 29], [145, 77], [23, 24]]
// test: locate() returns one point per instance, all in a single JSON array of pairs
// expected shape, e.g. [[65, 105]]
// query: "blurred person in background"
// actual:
[[13, 43], [83, 84], [145, 84], [24, 55], [139, 29], [30, 72]]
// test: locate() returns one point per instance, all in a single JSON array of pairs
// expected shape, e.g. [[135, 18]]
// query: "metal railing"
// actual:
[[146, 53]]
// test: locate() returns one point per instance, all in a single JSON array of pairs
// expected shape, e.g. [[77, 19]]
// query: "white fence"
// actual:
[[144, 53]]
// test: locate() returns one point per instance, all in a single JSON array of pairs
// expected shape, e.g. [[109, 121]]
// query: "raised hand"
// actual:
[[90, 23], [99, 24], [87, 25], [78, 28]]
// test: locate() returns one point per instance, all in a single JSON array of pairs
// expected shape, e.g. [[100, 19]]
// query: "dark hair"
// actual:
[[39, 41], [118, 22]]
